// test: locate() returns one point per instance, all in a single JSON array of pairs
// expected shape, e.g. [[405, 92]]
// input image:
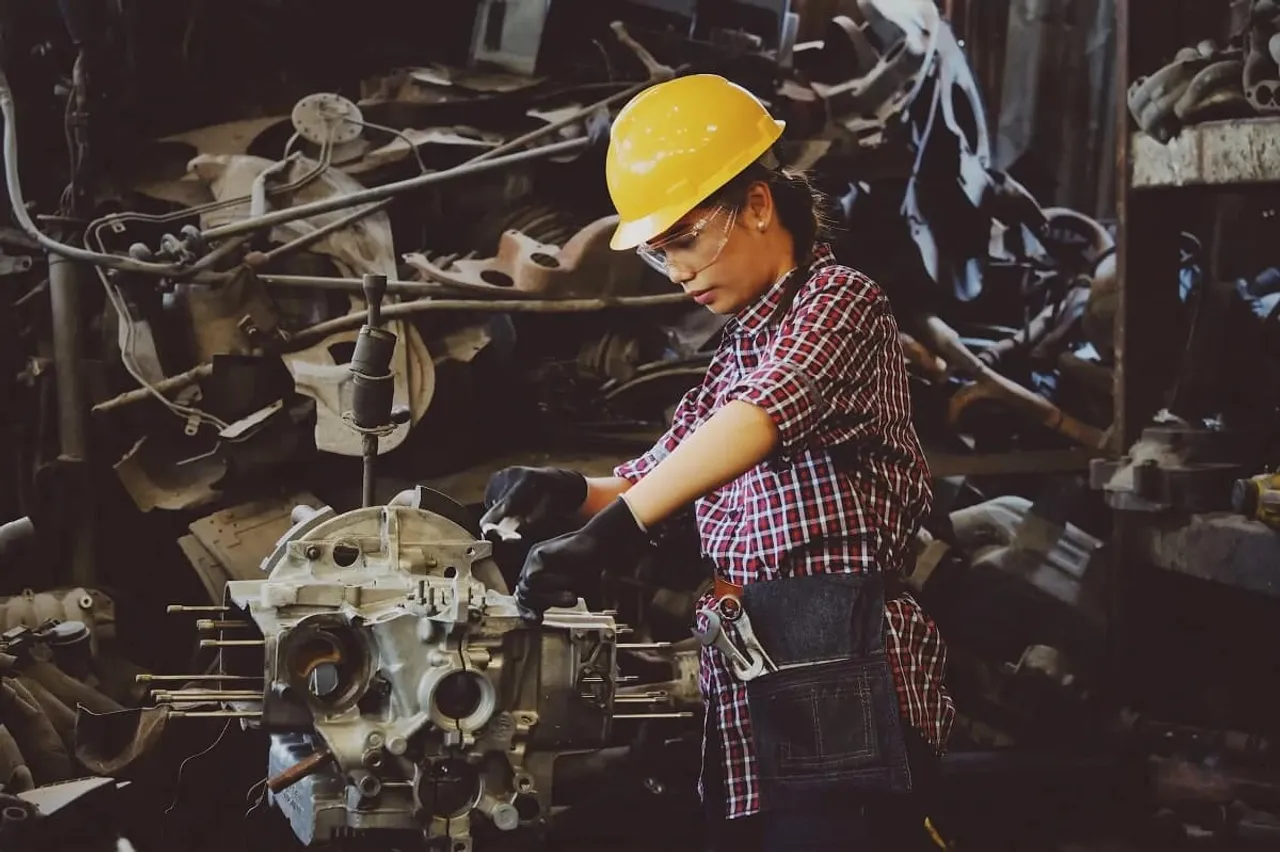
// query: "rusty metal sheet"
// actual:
[[1215, 153], [229, 545]]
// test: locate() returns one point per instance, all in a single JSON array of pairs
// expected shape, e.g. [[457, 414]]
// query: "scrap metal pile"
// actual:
[[228, 360]]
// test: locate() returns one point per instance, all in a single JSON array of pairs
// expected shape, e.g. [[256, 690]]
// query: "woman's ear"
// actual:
[[759, 207]]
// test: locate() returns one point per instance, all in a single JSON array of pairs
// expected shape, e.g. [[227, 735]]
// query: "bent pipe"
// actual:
[[126, 264], [943, 339]]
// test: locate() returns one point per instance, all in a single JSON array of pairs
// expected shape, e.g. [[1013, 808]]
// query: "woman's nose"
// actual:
[[678, 275]]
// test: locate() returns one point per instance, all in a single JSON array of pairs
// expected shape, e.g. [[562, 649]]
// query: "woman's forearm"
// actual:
[[601, 491], [736, 438]]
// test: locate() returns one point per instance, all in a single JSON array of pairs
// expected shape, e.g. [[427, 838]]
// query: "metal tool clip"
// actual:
[[746, 656]]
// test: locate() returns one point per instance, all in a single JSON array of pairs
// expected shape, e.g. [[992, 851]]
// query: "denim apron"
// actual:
[[828, 720]]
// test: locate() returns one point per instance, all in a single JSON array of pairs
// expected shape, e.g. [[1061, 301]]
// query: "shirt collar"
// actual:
[[753, 317]]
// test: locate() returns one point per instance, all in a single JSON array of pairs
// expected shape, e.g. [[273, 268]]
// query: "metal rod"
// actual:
[[172, 608], [154, 678], [377, 193], [354, 285], [214, 624], [215, 714], [504, 306], [368, 463], [684, 715], [309, 765], [163, 696], [232, 643], [173, 383], [317, 235], [643, 646], [73, 407]]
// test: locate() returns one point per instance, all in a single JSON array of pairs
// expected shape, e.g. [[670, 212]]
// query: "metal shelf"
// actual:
[[1215, 153]]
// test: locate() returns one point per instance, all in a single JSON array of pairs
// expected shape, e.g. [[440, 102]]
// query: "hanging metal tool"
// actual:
[[373, 382]]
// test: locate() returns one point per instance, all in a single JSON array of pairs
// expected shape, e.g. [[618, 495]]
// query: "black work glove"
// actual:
[[530, 497], [556, 570]]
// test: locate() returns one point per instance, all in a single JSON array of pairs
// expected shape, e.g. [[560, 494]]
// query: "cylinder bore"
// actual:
[[448, 787], [461, 700], [326, 662], [459, 695]]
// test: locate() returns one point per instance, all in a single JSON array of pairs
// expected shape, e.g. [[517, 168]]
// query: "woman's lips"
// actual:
[[702, 297]]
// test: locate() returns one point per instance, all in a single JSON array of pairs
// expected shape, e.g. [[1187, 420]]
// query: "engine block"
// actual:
[[402, 692]]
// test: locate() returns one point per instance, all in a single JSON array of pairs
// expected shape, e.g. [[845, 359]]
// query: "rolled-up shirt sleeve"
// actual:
[[831, 345], [682, 423]]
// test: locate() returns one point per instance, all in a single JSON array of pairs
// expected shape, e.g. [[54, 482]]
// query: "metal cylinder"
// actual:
[[373, 384], [73, 435], [64, 309]]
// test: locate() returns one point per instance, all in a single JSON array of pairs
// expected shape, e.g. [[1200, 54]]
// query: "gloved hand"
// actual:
[[530, 497], [556, 570]]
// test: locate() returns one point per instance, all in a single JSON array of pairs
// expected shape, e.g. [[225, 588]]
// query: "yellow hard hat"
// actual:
[[675, 144]]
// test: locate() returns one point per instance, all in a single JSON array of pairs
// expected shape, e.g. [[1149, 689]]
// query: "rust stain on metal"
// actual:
[[1238, 151]]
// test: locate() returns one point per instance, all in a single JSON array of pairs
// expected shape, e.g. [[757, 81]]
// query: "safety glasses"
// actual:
[[692, 248]]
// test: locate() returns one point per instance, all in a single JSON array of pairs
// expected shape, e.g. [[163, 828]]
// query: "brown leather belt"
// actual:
[[723, 588]]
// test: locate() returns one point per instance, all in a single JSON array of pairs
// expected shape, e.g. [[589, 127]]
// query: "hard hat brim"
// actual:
[[631, 233]]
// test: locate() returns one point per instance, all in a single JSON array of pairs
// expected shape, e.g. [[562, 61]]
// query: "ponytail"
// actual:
[[802, 208]]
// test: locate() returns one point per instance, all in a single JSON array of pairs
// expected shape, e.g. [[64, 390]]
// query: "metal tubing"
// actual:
[[18, 204], [370, 455], [64, 308], [377, 193], [154, 678], [215, 624], [73, 409], [232, 643], [546, 306], [309, 765], [173, 383], [172, 608]]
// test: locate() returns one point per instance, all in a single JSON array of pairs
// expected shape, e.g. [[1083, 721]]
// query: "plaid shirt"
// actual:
[[830, 373]]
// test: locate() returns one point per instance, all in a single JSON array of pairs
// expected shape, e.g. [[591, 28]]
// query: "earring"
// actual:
[[759, 226]]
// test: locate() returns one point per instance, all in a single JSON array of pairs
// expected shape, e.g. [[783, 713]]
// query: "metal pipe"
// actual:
[[73, 432], [166, 696], [263, 258], [377, 193], [309, 765], [215, 714], [18, 204], [232, 643], [549, 306], [64, 309], [172, 608], [154, 678], [369, 452], [173, 383], [439, 282], [214, 624]]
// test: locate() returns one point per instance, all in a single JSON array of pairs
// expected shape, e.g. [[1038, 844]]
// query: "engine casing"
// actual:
[[392, 645]]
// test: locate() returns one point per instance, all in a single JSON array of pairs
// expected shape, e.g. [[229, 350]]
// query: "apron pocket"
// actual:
[[826, 728]]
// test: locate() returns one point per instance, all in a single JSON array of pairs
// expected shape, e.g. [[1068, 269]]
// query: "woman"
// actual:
[[798, 454]]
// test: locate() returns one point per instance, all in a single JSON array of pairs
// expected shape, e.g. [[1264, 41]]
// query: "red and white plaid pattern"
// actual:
[[830, 373]]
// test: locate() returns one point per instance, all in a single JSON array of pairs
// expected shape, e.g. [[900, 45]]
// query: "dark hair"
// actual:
[[802, 208]]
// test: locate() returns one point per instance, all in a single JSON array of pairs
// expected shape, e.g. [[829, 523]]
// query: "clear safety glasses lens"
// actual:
[[691, 249]]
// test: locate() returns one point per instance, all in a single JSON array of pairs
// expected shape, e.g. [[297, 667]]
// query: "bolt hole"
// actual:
[[345, 555], [451, 572], [496, 278], [459, 847]]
